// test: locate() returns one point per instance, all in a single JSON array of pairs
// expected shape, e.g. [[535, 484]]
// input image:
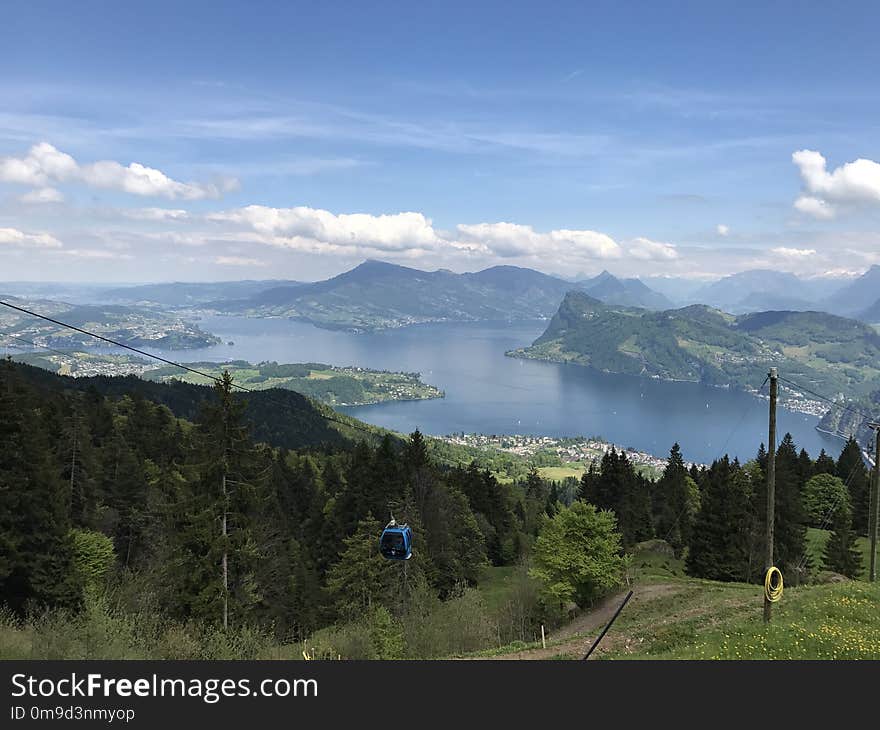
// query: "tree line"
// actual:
[[714, 516], [203, 522]]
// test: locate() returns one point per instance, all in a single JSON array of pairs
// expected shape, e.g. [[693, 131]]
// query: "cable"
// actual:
[[826, 520], [773, 589], [116, 343], [825, 398], [720, 453], [354, 424]]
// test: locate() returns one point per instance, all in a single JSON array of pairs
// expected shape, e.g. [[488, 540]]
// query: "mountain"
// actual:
[[377, 295], [677, 289], [184, 294], [626, 292], [871, 314], [828, 353], [857, 296], [279, 417], [749, 290]]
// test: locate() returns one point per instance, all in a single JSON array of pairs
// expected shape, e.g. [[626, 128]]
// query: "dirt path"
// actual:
[[579, 634]]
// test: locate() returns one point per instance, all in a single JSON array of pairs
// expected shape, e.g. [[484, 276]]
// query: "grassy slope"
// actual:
[[675, 617], [816, 540]]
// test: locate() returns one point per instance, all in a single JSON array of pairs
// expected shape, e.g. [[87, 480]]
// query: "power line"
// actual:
[[116, 343], [67, 353], [720, 452], [826, 520], [144, 353], [834, 403]]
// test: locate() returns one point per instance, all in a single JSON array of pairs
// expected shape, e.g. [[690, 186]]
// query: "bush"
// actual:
[[93, 556], [577, 555], [823, 494], [458, 625]]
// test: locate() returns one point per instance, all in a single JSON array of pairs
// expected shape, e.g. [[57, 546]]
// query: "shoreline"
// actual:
[[805, 406]]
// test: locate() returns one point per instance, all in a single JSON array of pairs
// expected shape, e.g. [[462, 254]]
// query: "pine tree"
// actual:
[[841, 554], [719, 545], [673, 502], [361, 577], [825, 464], [790, 532], [35, 554], [851, 468], [617, 487], [214, 551]]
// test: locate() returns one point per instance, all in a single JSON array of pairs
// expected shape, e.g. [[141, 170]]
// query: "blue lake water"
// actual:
[[487, 392]]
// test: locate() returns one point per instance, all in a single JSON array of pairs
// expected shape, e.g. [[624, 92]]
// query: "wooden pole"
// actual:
[[543, 640], [225, 562], [771, 483], [874, 508]]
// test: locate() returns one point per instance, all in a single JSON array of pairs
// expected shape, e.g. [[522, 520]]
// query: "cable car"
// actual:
[[396, 541]]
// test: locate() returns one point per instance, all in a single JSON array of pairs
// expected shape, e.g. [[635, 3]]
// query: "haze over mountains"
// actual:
[[378, 295], [183, 294], [762, 290]]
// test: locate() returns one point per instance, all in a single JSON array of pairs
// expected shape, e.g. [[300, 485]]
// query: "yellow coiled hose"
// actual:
[[773, 584]]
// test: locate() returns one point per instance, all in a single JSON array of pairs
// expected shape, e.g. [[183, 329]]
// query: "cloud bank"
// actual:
[[45, 165], [20, 239]]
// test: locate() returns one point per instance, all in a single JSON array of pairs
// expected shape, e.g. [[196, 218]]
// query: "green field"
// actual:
[[572, 470], [816, 540], [335, 386]]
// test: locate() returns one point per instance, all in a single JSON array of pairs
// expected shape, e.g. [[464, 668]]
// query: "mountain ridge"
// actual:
[[380, 295], [826, 352]]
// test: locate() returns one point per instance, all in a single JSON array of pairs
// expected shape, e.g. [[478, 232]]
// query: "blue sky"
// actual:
[[251, 140]]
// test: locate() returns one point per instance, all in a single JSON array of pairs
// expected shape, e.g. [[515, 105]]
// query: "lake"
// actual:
[[487, 392]]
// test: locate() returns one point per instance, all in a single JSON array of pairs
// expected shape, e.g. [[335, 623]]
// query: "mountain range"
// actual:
[[185, 294], [861, 297], [377, 295]]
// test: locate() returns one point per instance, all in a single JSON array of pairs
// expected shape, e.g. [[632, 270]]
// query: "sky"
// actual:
[[198, 141]]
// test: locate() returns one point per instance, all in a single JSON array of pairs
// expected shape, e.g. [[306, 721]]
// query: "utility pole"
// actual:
[[771, 483], [73, 462], [225, 559], [874, 503]]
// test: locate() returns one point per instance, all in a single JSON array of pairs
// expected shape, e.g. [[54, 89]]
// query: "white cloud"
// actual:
[[722, 229], [20, 239], [815, 207], [155, 214], [510, 240], [304, 227], [794, 253], [44, 165], [238, 261], [647, 250], [854, 183], [96, 253], [407, 235], [43, 195]]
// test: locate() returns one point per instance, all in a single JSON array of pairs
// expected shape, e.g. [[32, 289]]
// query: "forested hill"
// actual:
[[116, 517], [278, 417], [100, 484], [831, 354]]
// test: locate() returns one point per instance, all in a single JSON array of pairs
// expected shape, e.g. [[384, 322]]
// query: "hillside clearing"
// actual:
[[674, 617]]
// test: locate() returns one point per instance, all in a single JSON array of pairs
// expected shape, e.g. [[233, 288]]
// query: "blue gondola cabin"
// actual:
[[396, 541]]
